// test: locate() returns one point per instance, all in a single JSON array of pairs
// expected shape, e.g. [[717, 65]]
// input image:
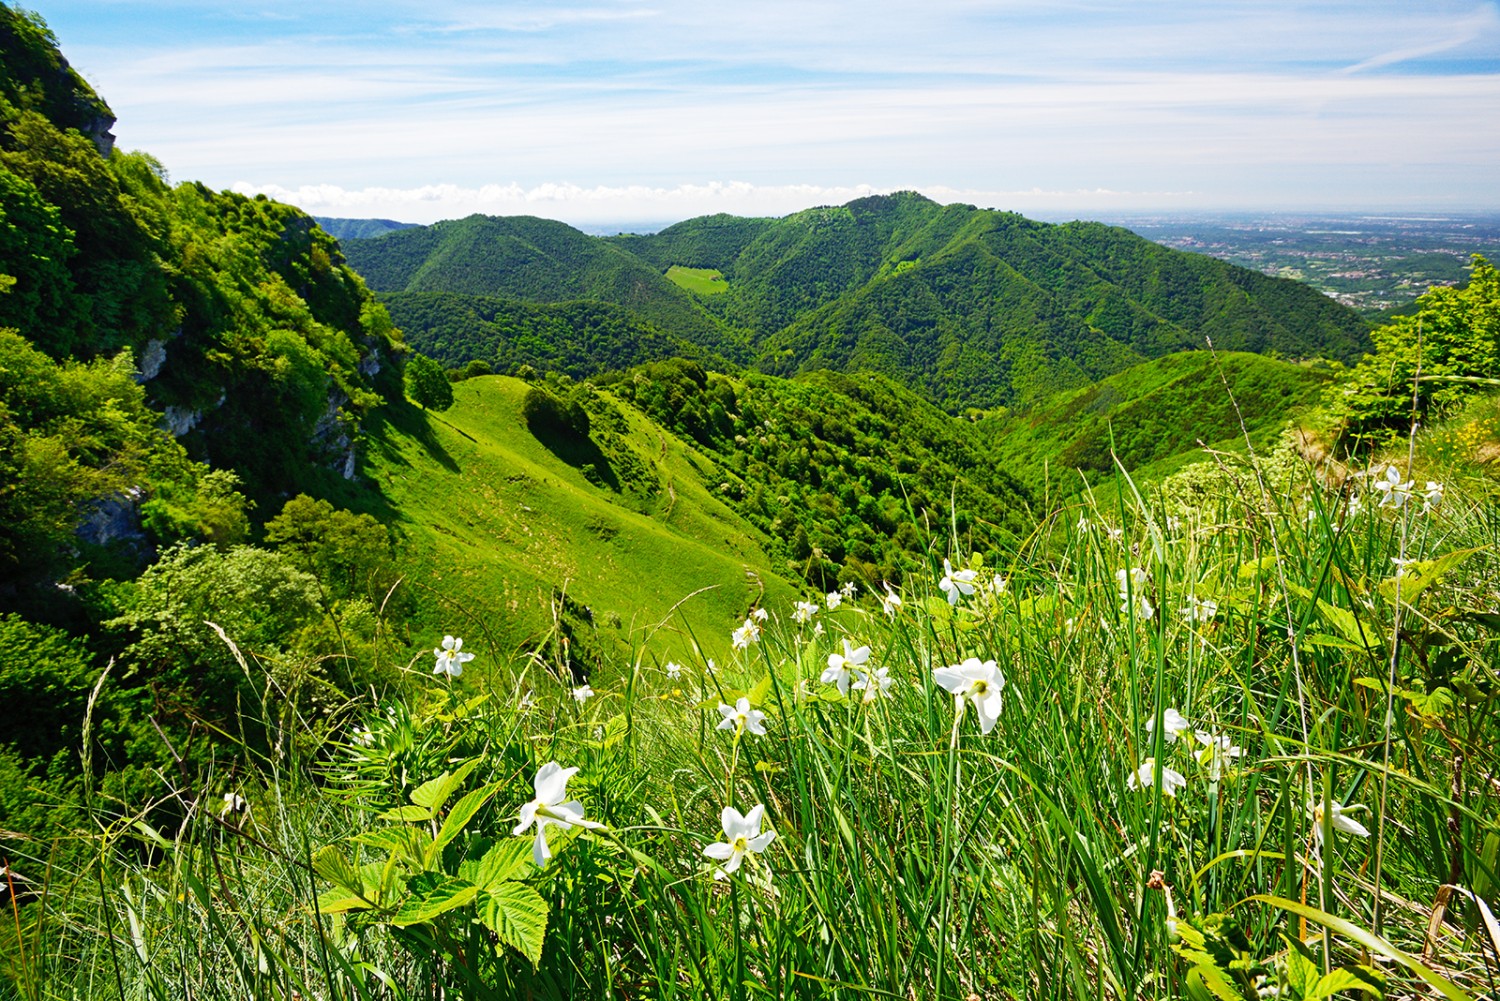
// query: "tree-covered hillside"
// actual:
[[231, 322], [579, 338], [534, 259], [969, 307]]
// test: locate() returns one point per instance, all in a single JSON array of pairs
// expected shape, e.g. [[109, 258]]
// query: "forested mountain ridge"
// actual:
[[971, 307]]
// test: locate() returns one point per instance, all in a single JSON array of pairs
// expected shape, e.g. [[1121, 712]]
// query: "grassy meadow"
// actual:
[[703, 281], [498, 520], [1188, 757]]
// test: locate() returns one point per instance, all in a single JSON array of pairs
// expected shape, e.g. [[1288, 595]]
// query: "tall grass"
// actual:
[[915, 857]]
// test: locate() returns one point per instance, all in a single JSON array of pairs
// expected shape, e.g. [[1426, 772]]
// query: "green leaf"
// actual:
[[463, 811], [761, 690], [1206, 982], [340, 901], [435, 792], [1254, 568], [939, 609], [1301, 968], [505, 861], [1418, 577], [330, 863], [1348, 978], [442, 896], [518, 914], [410, 813]]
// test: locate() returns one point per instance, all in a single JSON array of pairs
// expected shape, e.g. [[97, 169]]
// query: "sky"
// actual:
[[608, 112]]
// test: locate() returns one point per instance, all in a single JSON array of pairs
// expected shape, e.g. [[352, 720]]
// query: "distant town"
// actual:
[[1374, 263]]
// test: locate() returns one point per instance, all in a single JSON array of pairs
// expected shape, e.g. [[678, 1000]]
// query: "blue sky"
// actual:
[[599, 111]]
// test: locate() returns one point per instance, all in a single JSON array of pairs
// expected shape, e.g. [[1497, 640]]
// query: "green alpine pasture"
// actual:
[[703, 281]]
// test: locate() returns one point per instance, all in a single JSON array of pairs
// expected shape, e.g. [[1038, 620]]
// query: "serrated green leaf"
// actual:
[[508, 859], [1254, 568], [435, 792], [429, 901], [518, 914], [330, 863], [407, 813], [1301, 968], [1419, 576], [340, 901], [1205, 983], [615, 729], [463, 811]]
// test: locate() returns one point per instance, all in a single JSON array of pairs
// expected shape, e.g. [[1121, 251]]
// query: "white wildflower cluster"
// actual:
[[1215, 752], [1395, 492]]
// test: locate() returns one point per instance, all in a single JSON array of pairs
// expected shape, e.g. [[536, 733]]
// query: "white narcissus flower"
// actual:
[[742, 836], [805, 611], [1218, 750], [760, 615], [956, 582], [551, 785], [1393, 492], [1144, 777], [849, 589], [1143, 609], [1337, 818], [874, 684], [817, 629], [1173, 723], [834, 600], [1356, 505], [582, 694], [1116, 534], [746, 634], [890, 603], [673, 669], [740, 717], [1200, 610], [450, 657], [1131, 580], [1432, 496], [979, 682], [233, 803], [844, 668]]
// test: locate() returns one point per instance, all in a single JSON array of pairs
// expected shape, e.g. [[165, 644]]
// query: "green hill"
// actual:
[[537, 260], [503, 530], [970, 307], [357, 229], [1150, 414]]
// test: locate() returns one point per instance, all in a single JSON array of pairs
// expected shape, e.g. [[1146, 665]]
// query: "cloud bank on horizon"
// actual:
[[597, 111]]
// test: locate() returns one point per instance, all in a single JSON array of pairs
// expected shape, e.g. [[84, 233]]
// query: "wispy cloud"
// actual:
[[1252, 100]]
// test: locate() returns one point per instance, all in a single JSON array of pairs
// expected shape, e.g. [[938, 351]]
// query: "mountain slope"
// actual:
[[533, 259], [970, 307], [1150, 413]]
